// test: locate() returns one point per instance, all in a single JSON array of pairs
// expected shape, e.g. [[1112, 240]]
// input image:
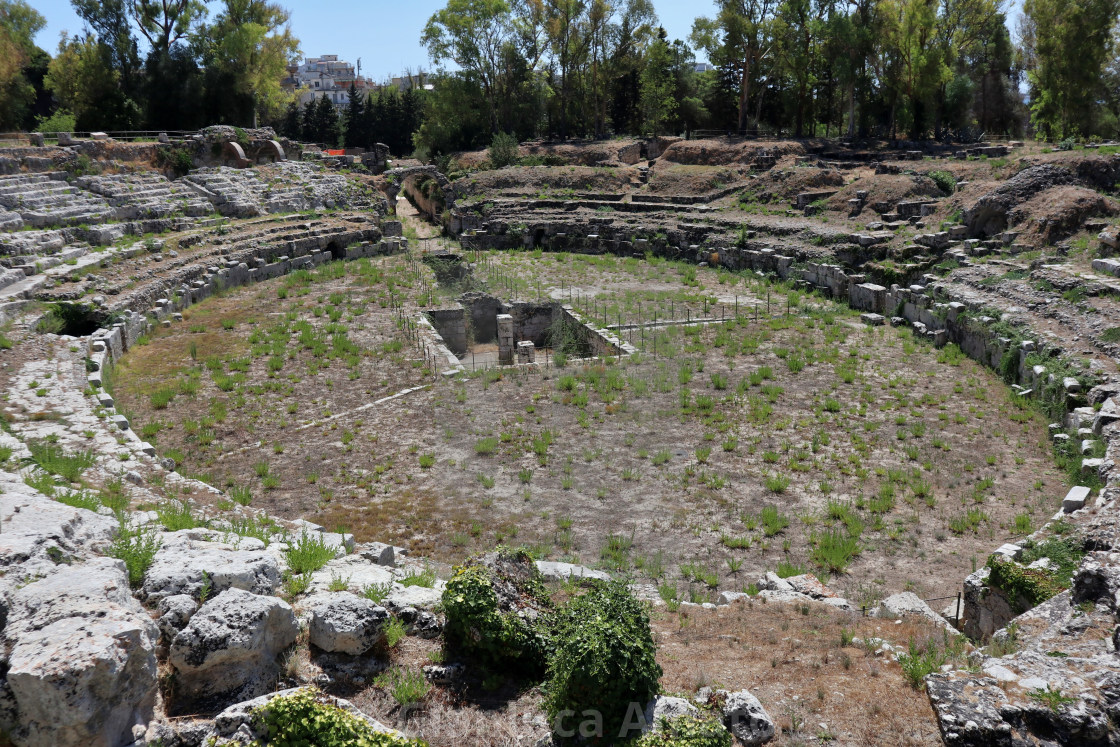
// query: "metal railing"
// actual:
[[125, 135]]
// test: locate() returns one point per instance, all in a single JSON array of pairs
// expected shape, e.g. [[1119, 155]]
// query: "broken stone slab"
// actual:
[[355, 571], [810, 586], [908, 603], [1009, 550], [871, 319], [419, 597], [553, 571], [730, 597], [1075, 499], [379, 553], [773, 582]]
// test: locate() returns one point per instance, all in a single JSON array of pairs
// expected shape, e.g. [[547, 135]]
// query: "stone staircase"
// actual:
[[295, 186], [47, 199], [145, 196], [233, 192], [31, 243]]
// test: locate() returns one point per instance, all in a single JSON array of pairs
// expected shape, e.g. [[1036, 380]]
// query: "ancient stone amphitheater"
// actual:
[[107, 246]]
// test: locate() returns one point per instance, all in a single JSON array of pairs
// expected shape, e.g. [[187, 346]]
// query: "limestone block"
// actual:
[[345, 623], [1075, 499], [746, 719], [82, 668], [175, 612], [420, 597], [665, 707], [553, 571], [229, 648], [181, 560], [908, 603]]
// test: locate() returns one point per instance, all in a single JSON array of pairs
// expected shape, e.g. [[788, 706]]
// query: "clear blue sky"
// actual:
[[385, 35]]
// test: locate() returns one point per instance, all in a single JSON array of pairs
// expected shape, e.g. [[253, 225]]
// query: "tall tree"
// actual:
[[740, 39], [1072, 42], [482, 37], [658, 86], [164, 22], [326, 122], [109, 20], [249, 47], [85, 81], [355, 118], [19, 23]]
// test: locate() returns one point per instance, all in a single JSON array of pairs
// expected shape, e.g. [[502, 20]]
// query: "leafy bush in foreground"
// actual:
[[494, 612], [604, 657], [687, 731], [303, 718]]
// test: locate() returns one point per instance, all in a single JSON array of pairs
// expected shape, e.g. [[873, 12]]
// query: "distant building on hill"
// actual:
[[326, 76]]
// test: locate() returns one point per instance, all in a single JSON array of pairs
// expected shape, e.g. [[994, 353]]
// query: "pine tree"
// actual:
[[355, 109], [293, 121], [310, 132], [326, 123]]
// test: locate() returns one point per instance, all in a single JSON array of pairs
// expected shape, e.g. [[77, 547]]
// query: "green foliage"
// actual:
[[137, 548], [1026, 587], [945, 181], [307, 718], [177, 515], [687, 731], [787, 569], [406, 686], [309, 553], [833, 550], [61, 120], [54, 459], [394, 631], [922, 660], [503, 150], [773, 521], [604, 656], [1052, 699], [492, 635], [425, 578]]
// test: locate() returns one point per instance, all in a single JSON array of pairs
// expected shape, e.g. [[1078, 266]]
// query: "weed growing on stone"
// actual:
[[309, 553]]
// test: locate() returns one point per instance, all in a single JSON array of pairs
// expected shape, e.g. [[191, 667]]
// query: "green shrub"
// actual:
[[137, 548], [834, 550], [309, 553], [604, 657], [492, 632], [1033, 586], [407, 686], [945, 181], [503, 150], [306, 718], [177, 515], [687, 731]]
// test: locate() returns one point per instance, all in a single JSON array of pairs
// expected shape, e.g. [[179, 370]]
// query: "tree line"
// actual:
[[588, 68], [863, 68], [198, 69]]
